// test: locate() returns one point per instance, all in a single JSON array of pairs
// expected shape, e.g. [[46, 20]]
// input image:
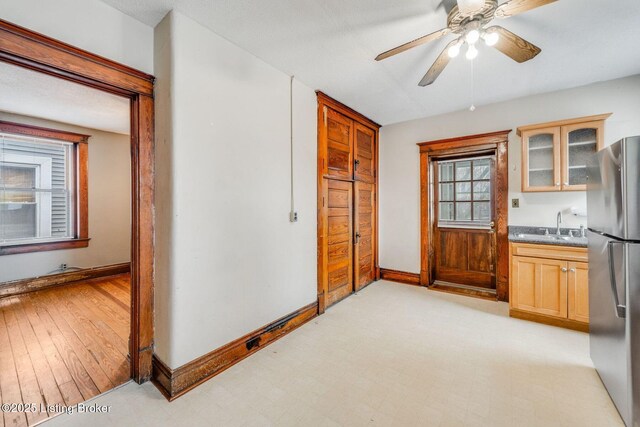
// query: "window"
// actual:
[[464, 191], [43, 189]]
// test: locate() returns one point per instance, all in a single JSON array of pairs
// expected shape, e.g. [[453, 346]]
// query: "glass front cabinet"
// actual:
[[555, 155]]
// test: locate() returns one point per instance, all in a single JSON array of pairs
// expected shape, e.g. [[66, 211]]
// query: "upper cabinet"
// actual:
[[555, 155]]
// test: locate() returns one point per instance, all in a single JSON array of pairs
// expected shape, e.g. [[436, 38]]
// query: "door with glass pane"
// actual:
[[579, 142], [541, 159], [463, 232]]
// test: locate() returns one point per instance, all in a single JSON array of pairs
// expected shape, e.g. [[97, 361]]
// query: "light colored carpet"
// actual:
[[391, 355]]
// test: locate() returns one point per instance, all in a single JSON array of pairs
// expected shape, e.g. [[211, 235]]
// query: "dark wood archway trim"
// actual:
[[29, 49], [495, 142]]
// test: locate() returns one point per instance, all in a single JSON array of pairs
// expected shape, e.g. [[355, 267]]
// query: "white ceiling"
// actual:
[[31, 93], [330, 45]]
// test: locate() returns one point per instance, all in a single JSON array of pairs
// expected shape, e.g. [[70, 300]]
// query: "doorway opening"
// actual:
[[29, 50], [464, 236], [463, 229]]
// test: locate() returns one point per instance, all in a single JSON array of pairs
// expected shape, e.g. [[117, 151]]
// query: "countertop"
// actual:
[[534, 235]]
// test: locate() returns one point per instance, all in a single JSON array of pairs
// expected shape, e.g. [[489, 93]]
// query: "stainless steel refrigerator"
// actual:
[[613, 205]]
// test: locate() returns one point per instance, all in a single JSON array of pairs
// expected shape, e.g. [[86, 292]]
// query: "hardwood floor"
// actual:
[[62, 346]]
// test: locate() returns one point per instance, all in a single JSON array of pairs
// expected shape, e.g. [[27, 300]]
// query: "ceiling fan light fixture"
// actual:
[[454, 50], [491, 38], [472, 52], [472, 36]]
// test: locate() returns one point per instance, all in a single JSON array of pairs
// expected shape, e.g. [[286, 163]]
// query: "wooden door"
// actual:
[[579, 142], [364, 154], [541, 160], [365, 268], [539, 286], [338, 247], [463, 232], [336, 141], [578, 288]]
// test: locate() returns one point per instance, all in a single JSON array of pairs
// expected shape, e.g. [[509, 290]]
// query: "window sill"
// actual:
[[44, 246]]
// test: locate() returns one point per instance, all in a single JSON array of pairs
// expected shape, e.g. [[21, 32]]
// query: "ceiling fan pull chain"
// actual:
[[473, 94]]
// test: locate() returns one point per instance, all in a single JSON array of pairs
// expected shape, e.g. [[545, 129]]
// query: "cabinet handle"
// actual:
[[573, 270], [566, 183], [557, 184], [564, 269]]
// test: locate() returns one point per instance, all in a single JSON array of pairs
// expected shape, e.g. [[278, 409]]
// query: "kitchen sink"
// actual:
[[550, 237]]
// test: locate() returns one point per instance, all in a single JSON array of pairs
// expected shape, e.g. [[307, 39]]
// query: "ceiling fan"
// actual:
[[469, 19]]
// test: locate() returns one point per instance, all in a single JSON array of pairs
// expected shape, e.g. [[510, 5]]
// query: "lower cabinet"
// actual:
[[550, 284]]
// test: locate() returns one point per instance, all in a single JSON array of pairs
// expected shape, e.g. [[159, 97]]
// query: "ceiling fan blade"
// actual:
[[515, 7], [417, 42], [515, 47], [441, 61]]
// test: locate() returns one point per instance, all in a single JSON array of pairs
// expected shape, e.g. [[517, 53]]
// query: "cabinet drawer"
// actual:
[[566, 253]]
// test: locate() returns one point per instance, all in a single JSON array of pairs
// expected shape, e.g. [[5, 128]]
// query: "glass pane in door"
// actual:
[[582, 144], [541, 160]]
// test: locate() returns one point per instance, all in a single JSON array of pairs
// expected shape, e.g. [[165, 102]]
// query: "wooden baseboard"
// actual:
[[400, 276], [173, 383], [469, 291], [22, 286], [549, 320]]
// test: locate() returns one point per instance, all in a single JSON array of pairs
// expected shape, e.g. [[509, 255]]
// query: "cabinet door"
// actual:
[[541, 160], [365, 267], [578, 300], [336, 145], [579, 142], [539, 286], [364, 154]]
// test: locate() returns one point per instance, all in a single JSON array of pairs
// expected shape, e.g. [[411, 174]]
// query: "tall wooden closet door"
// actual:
[[364, 149], [365, 267], [339, 234]]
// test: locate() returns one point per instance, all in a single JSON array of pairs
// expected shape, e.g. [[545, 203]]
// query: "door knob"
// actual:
[[357, 240], [492, 224]]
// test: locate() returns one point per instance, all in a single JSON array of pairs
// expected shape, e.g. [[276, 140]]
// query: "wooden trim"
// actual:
[[173, 383], [37, 52], [346, 110], [400, 276], [42, 132], [44, 246], [597, 117], [464, 142], [549, 320], [22, 286], [498, 143]]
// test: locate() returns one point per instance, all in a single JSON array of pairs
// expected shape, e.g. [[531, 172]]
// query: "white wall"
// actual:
[[109, 208], [400, 163], [228, 259], [88, 24]]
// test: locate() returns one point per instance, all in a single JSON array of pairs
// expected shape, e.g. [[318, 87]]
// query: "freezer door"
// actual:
[[607, 318], [613, 187]]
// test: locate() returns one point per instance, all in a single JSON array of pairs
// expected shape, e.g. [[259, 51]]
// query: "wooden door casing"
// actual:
[[364, 154], [365, 218], [338, 140], [339, 240], [578, 289], [539, 286]]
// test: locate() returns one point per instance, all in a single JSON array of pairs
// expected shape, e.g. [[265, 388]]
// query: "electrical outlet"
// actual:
[[515, 203], [63, 267], [293, 216]]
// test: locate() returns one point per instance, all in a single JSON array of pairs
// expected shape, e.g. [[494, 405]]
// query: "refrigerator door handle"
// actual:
[[620, 309]]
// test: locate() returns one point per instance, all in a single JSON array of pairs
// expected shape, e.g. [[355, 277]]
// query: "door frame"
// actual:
[[325, 102], [495, 143], [25, 48]]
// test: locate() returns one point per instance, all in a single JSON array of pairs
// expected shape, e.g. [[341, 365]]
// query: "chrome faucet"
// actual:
[[558, 222]]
